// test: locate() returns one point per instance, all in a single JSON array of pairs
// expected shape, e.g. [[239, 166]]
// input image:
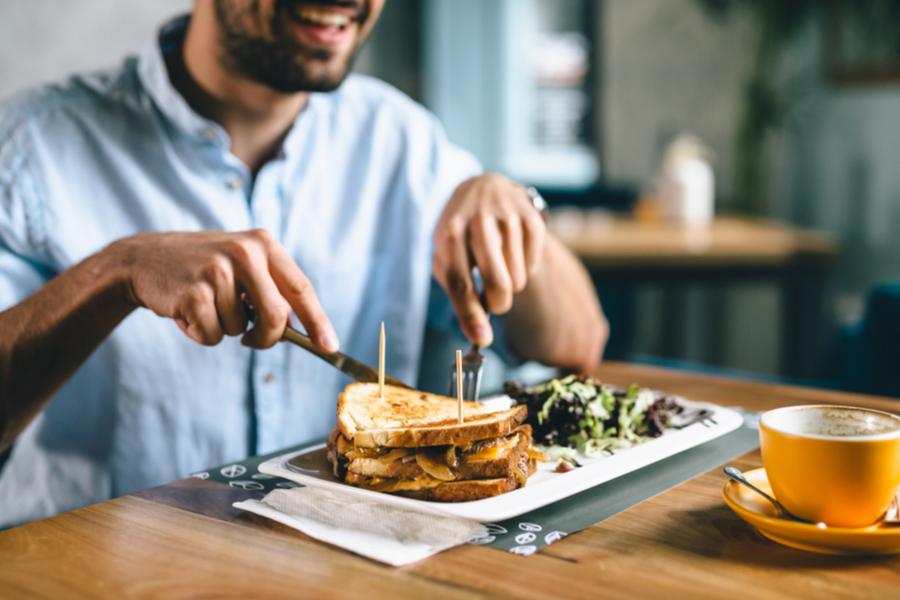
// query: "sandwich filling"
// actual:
[[475, 469]]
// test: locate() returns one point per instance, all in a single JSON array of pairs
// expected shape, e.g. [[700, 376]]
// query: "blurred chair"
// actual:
[[867, 356]]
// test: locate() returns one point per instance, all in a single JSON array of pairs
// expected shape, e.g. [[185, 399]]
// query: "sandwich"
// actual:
[[411, 444]]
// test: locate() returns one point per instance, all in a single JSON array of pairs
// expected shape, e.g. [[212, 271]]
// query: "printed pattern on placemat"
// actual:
[[246, 475], [533, 531]]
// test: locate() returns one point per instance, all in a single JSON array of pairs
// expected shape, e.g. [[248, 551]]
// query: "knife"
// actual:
[[349, 366]]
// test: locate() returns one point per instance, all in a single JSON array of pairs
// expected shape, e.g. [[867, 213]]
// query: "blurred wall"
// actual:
[[668, 69], [45, 40], [843, 176]]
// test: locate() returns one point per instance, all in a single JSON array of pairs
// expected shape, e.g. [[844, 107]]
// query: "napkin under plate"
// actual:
[[384, 533]]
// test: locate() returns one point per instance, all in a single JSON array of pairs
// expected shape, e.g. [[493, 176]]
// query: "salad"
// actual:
[[579, 413]]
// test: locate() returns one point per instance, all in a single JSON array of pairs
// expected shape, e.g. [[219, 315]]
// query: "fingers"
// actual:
[[247, 258], [271, 309], [514, 253], [199, 279], [198, 318], [229, 305], [488, 247], [534, 236], [298, 291], [453, 270], [274, 285]]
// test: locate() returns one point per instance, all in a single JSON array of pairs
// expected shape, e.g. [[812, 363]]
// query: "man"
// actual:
[[232, 161]]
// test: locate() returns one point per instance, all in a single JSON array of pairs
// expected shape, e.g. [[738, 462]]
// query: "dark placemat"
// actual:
[[528, 533]]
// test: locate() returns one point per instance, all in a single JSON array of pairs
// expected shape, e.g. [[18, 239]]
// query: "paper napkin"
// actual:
[[384, 533]]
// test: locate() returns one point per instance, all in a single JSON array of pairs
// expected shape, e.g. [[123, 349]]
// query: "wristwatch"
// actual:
[[537, 201]]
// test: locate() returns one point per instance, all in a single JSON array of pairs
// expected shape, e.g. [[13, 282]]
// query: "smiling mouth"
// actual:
[[322, 18]]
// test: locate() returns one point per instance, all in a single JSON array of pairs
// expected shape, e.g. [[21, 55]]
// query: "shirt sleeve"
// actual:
[[22, 267]]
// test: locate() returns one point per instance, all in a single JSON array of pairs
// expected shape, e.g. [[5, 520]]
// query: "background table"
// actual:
[[185, 540], [629, 252]]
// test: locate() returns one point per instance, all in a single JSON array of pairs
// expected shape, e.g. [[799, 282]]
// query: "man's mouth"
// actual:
[[322, 18], [326, 23]]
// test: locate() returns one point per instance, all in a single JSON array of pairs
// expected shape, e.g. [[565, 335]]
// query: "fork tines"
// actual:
[[472, 367]]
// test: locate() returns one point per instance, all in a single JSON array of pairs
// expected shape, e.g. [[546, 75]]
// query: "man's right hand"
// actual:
[[199, 279]]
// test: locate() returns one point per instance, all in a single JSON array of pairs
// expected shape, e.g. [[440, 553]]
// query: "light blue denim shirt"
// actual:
[[353, 197]]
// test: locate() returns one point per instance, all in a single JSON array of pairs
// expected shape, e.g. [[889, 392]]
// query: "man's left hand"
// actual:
[[489, 223]]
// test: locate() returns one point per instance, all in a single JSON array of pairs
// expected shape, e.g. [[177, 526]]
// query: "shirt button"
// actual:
[[269, 378], [210, 133], [236, 183]]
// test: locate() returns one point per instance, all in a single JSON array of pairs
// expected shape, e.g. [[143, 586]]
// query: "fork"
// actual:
[[687, 418], [472, 368], [472, 361]]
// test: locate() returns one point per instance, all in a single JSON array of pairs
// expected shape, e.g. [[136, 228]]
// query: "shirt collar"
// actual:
[[155, 79]]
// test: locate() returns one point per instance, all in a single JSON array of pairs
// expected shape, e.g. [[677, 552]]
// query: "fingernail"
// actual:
[[483, 334], [329, 341]]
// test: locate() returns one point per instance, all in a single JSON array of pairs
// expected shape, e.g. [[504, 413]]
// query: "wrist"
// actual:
[[113, 267]]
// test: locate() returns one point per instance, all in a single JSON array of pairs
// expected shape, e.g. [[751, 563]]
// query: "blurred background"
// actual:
[[788, 112]]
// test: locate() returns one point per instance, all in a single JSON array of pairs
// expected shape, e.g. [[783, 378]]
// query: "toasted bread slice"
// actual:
[[442, 433], [408, 419], [361, 409]]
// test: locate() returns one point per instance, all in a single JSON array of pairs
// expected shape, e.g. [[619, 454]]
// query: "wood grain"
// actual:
[[184, 540], [133, 548], [609, 243]]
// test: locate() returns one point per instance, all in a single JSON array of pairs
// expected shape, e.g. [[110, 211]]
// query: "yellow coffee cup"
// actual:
[[837, 465]]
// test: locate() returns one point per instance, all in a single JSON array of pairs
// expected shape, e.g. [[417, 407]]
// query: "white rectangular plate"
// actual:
[[311, 467]]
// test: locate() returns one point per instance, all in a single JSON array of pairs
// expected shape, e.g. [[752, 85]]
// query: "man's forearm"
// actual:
[[46, 338], [557, 318]]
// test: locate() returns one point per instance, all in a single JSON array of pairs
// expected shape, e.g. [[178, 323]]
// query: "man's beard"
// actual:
[[282, 62]]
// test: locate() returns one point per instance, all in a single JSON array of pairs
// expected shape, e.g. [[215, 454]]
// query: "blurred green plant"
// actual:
[[777, 24]]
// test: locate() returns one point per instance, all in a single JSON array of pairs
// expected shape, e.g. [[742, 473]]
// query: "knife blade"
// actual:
[[349, 366], [357, 371]]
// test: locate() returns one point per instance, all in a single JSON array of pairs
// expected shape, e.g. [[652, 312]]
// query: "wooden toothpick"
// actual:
[[381, 363], [459, 383]]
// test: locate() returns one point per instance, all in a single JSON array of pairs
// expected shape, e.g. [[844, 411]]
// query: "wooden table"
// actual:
[[625, 251], [184, 540]]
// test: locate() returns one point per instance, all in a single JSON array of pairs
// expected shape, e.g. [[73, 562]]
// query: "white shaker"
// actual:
[[686, 183]]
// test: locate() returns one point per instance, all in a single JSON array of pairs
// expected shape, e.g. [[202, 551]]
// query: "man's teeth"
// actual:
[[324, 18]]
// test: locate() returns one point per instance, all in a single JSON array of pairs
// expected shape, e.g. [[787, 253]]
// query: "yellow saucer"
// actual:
[[756, 510]]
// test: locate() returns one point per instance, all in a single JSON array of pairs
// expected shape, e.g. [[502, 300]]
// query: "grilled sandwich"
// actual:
[[412, 444]]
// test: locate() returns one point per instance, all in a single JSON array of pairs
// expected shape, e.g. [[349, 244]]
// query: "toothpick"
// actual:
[[381, 363], [459, 383]]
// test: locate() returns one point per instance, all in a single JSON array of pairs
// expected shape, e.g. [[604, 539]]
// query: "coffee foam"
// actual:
[[833, 421]]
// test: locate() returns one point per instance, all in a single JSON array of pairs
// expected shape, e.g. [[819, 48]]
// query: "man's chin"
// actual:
[[307, 78]]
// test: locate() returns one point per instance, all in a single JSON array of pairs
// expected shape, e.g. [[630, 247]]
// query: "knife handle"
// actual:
[[292, 335]]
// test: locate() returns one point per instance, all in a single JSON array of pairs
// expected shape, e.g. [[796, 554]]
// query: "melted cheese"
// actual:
[[536, 454], [486, 454], [380, 484], [493, 451]]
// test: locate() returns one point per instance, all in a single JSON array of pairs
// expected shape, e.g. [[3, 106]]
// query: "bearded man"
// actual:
[[235, 160]]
